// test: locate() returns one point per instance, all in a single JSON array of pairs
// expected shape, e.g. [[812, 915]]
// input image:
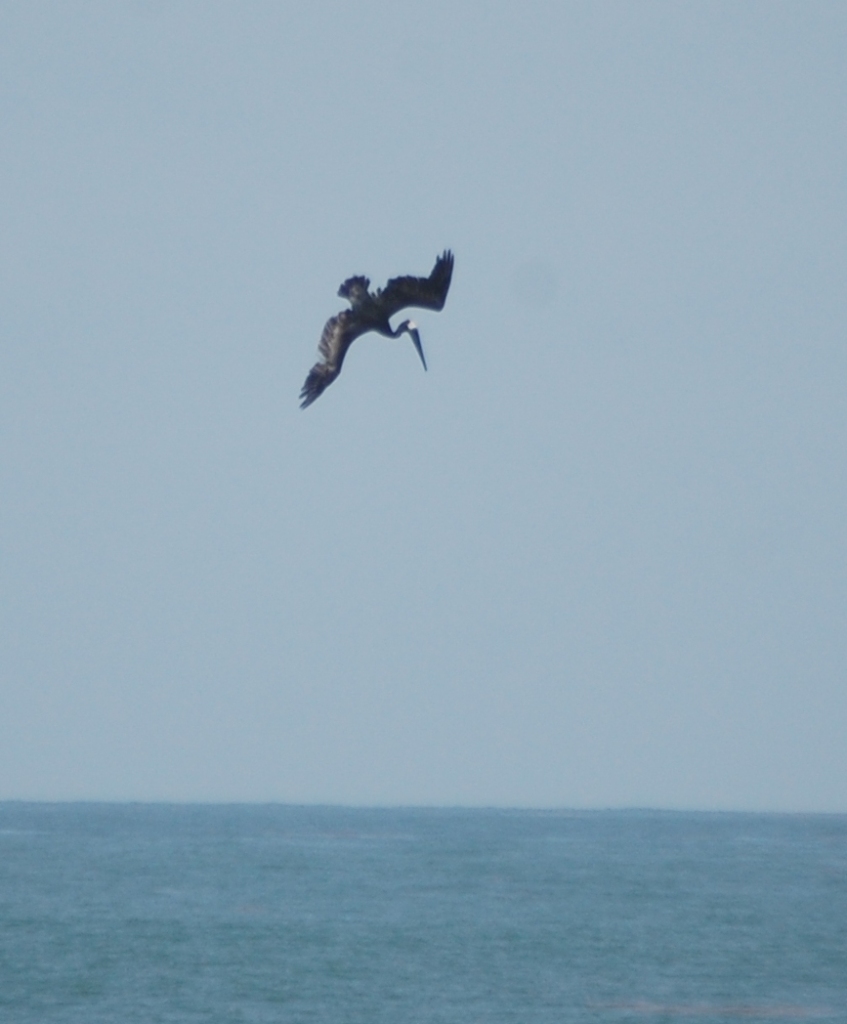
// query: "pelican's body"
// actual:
[[371, 311]]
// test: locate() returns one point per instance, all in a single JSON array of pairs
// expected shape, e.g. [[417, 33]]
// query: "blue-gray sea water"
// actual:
[[125, 913]]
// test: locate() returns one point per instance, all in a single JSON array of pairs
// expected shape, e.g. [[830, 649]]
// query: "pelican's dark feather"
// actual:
[[320, 377], [355, 289], [423, 292], [338, 335], [334, 341]]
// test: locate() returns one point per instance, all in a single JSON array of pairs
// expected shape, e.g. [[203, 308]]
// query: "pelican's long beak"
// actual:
[[416, 340]]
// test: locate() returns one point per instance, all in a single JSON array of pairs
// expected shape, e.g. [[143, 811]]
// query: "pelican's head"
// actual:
[[411, 328]]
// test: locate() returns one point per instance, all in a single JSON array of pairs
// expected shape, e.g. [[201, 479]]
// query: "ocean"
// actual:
[[246, 913]]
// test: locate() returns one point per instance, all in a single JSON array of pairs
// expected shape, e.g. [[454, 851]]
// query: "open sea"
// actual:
[[245, 913]]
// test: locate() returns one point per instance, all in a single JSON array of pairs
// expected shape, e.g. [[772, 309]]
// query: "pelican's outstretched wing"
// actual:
[[338, 335], [425, 292]]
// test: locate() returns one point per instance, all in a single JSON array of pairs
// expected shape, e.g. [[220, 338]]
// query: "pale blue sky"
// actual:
[[597, 556]]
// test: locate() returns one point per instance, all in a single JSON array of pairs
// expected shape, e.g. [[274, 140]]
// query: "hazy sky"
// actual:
[[597, 556]]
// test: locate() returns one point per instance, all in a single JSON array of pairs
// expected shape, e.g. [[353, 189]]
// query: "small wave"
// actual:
[[740, 1010]]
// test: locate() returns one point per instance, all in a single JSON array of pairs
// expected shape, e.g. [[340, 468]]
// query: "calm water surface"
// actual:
[[131, 913]]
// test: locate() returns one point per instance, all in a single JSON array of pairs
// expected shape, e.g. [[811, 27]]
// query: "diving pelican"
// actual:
[[370, 311]]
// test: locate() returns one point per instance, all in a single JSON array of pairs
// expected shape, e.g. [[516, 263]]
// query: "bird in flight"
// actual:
[[371, 311]]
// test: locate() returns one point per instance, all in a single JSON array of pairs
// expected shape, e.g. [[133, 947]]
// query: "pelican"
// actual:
[[371, 311]]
